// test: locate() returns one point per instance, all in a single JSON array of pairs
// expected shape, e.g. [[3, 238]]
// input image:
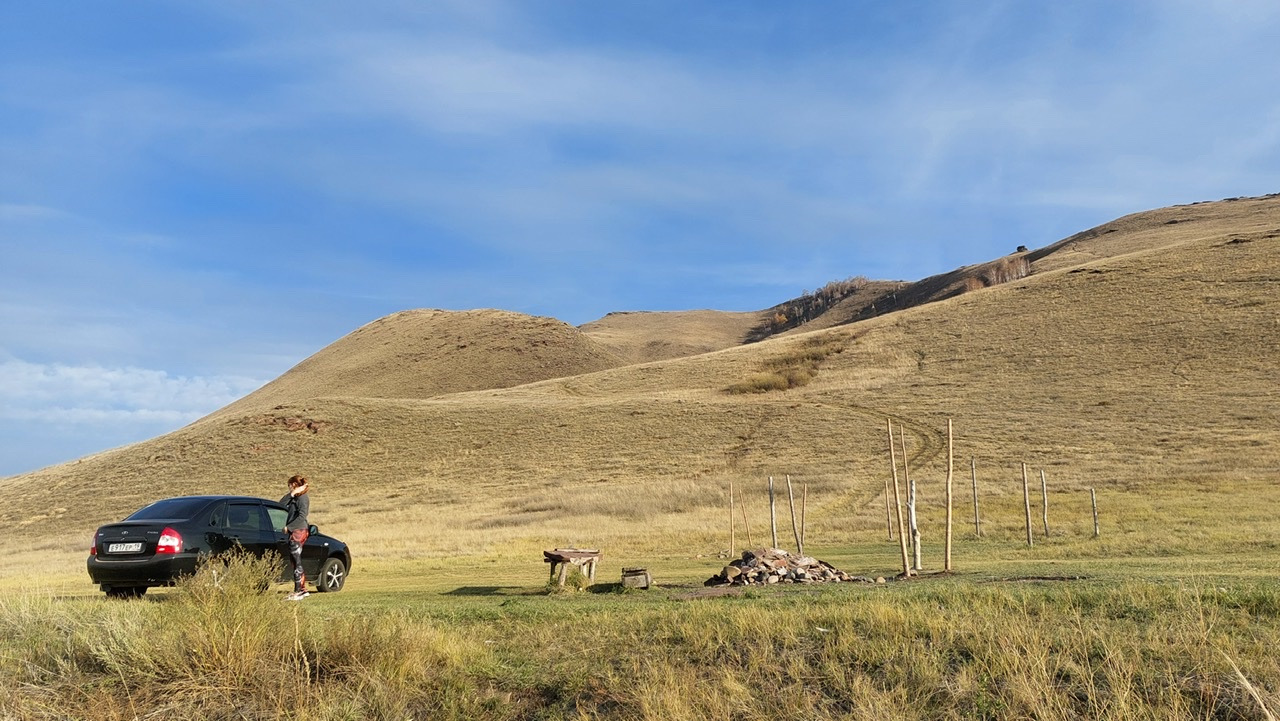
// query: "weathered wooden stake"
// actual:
[[977, 523], [1044, 503], [795, 529], [1093, 498], [1026, 500], [946, 555], [888, 510], [911, 503], [804, 504], [897, 503], [773, 514], [743, 507], [732, 539]]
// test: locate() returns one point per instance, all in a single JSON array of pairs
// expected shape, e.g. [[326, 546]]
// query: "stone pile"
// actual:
[[773, 565]]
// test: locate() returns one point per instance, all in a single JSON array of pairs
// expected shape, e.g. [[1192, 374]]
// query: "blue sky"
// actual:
[[195, 196]]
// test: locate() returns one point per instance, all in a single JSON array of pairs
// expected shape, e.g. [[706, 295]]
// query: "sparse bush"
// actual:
[[574, 580], [811, 304], [790, 370], [760, 383], [1006, 270], [226, 626]]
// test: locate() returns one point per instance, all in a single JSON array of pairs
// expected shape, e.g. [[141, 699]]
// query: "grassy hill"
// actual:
[[641, 337], [1137, 358], [1136, 355], [428, 353]]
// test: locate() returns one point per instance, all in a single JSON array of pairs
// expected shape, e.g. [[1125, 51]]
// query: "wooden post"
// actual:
[[973, 470], [897, 503], [804, 504], [795, 529], [888, 510], [1026, 501], [946, 554], [1044, 503], [911, 503], [732, 539], [773, 514], [1093, 498], [743, 507]]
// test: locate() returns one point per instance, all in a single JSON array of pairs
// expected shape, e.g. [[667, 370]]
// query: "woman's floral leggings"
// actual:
[[296, 540]]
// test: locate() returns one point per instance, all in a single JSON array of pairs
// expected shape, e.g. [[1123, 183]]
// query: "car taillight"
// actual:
[[93, 547], [170, 541]]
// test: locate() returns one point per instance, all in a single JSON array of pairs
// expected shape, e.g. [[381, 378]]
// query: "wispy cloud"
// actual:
[[52, 412], [60, 394]]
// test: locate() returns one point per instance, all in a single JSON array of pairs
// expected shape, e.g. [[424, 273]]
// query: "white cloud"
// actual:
[[95, 395], [26, 211]]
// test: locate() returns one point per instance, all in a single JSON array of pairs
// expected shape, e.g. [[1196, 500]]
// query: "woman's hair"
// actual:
[[298, 481]]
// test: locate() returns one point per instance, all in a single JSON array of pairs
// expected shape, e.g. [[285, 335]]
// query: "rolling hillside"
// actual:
[[650, 336], [428, 353], [1136, 356]]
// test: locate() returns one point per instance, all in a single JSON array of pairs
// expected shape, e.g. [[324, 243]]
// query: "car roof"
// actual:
[[215, 498]]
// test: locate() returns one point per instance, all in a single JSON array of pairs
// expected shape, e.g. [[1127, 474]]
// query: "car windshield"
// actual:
[[170, 508]]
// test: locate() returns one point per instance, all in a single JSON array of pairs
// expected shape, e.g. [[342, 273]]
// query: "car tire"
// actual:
[[124, 591], [333, 575]]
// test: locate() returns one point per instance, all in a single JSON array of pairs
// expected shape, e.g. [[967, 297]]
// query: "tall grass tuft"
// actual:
[[942, 650], [793, 369]]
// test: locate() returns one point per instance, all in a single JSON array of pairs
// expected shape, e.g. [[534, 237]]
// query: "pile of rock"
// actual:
[[774, 565]]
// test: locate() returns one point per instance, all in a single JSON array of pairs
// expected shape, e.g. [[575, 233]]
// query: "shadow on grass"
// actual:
[[492, 591]]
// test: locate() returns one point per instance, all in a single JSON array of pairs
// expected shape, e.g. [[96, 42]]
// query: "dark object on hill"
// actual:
[[774, 565]]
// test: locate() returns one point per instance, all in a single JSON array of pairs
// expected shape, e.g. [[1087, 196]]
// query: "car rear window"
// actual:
[[174, 508]]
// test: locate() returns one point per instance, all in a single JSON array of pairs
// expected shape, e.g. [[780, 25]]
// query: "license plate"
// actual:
[[124, 547]]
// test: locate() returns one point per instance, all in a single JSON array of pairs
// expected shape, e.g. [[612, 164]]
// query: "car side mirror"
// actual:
[[312, 530]]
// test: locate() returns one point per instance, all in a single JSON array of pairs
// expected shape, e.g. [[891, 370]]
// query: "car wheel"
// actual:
[[124, 591], [333, 574]]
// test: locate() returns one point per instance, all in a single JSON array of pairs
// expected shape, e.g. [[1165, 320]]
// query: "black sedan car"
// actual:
[[169, 538]]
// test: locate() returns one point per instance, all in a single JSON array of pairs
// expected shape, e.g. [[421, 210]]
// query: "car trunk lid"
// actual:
[[128, 539]]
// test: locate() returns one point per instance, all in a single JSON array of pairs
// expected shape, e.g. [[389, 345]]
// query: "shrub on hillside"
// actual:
[[790, 370], [812, 304], [760, 383], [1006, 270]]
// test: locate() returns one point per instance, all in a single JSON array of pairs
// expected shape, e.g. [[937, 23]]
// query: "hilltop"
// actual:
[[641, 337], [1135, 355], [428, 353]]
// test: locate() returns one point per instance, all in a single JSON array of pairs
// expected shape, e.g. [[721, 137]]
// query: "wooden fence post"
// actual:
[[1026, 501], [795, 529], [897, 504], [1093, 498], [732, 539], [977, 523], [804, 504], [1044, 503], [888, 510], [911, 503], [946, 555], [773, 514]]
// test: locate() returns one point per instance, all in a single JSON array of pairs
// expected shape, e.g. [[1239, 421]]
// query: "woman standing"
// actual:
[[296, 526]]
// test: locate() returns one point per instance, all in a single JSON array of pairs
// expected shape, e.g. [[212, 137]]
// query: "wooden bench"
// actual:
[[561, 558]]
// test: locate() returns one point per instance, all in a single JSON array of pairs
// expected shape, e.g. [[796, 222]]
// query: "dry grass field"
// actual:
[[1138, 358]]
